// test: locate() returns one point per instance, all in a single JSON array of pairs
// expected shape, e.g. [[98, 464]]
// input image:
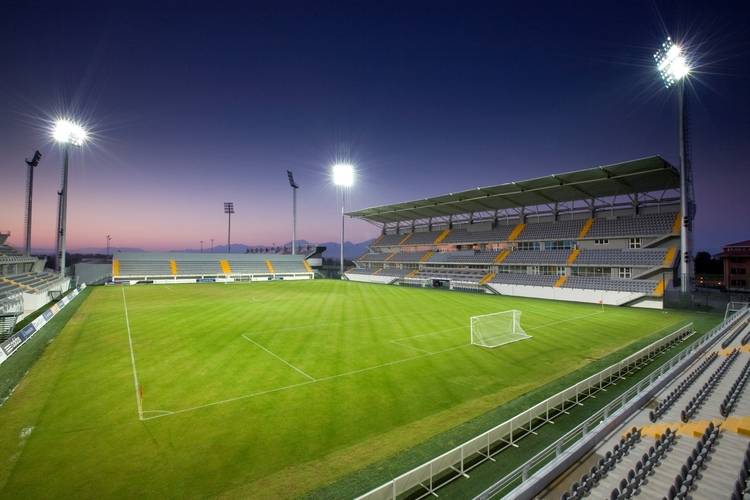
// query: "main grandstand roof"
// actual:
[[637, 176]]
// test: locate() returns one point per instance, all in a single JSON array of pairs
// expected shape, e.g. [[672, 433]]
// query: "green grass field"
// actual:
[[276, 389]]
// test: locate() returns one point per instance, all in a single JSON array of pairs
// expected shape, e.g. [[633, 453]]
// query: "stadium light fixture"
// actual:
[[674, 67], [229, 210], [343, 174], [294, 187], [343, 178], [67, 133]]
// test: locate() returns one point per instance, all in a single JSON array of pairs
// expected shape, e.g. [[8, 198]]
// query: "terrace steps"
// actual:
[[269, 266], [573, 256], [561, 281], [440, 237], [659, 288], [516, 231], [426, 256], [115, 267], [413, 273], [487, 278], [405, 239], [669, 257], [502, 256], [15, 283], [677, 224], [307, 266], [225, 267], [173, 267], [586, 228]]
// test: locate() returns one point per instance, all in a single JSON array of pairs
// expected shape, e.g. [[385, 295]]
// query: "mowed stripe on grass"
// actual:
[[367, 371]]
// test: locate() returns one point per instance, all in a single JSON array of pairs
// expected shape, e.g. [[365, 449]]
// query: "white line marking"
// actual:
[[576, 318], [132, 358], [287, 363], [314, 381]]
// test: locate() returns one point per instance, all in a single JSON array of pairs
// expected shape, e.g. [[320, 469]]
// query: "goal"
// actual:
[[496, 329]]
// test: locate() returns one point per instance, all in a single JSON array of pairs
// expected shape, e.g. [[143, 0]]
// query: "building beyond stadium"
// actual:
[[607, 234]]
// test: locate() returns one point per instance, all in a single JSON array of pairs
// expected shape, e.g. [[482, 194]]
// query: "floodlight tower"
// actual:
[[343, 178], [201, 246], [67, 133], [229, 210], [109, 238], [212, 245], [674, 67], [33, 162], [294, 187]]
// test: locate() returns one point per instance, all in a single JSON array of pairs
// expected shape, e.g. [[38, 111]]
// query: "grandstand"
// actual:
[[606, 235], [24, 285], [182, 267]]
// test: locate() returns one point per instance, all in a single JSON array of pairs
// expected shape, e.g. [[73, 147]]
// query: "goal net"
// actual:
[[733, 307], [496, 329]]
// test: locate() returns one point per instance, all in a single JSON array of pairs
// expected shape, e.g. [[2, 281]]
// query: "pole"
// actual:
[[201, 246], [108, 239], [62, 212], [29, 198], [229, 232], [294, 221], [684, 210], [212, 245], [341, 256]]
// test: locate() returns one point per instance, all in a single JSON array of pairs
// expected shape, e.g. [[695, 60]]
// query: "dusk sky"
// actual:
[[190, 107]]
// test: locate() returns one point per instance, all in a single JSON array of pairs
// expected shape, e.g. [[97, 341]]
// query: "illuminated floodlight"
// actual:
[[69, 132], [343, 174], [671, 63]]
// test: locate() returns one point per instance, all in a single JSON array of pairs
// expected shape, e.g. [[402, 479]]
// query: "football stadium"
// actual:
[[541, 337]]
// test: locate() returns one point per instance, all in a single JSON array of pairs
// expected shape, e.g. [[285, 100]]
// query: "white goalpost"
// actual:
[[496, 329]]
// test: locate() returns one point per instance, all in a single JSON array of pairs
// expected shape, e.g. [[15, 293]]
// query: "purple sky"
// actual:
[[194, 107]]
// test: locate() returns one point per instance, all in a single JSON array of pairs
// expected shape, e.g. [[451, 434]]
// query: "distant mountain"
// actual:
[[351, 250], [83, 250]]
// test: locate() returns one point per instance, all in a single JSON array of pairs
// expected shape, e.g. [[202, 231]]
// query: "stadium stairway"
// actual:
[[440, 237], [269, 266], [659, 288], [516, 232], [173, 267], [405, 239], [487, 278], [502, 256], [586, 228], [561, 281], [677, 224], [309, 269], [573, 256], [426, 256], [225, 267], [115, 267]]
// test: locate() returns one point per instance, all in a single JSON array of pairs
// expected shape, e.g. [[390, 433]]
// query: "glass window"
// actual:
[[635, 243]]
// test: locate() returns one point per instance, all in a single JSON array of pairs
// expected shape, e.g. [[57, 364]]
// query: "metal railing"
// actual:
[[554, 450], [454, 464]]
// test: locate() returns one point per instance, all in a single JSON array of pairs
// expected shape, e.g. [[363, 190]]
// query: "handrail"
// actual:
[[459, 460]]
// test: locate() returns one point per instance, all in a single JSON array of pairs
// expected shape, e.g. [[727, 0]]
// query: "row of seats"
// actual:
[[663, 406], [650, 257], [37, 281], [728, 341], [689, 473], [589, 480], [742, 485], [696, 401], [626, 226], [613, 284], [471, 275], [631, 484], [207, 267], [640, 225], [6, 250], [525, 279], [745, 339], [730, 400]]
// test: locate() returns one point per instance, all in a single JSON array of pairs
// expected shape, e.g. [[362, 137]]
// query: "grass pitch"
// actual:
[[275, 389]]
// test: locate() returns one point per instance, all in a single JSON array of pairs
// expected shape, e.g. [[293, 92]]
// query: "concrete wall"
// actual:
[[610, 298], [369, 278]]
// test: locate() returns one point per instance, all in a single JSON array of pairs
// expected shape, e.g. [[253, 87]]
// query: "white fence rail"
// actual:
[[426, 478]]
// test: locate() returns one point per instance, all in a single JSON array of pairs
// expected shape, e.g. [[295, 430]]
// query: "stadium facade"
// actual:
[[609, 234]]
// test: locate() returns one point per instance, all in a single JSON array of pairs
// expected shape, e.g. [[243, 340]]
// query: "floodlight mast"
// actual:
[[67, 133], [343, 178], [32, 163], [229, 210], [294, 187], [674, 68]]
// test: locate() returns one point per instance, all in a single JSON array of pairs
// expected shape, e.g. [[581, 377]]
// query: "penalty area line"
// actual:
[[287, 363]]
